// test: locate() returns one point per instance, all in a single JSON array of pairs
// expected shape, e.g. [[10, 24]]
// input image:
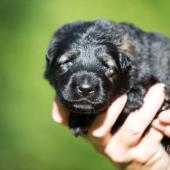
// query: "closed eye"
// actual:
[[65, 61], [63, 67], [105, 65], [59, 64], [67, 57], [107, 61]]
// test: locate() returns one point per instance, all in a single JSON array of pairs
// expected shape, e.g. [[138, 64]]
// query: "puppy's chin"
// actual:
[[82, 108], [85, 108]]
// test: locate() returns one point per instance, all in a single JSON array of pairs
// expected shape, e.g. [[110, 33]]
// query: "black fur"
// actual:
[[91, 63]]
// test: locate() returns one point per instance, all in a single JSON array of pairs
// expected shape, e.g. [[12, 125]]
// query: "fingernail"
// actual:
[[55, 115], [98, 133], [56, 118], [121, 101], [160, 85]]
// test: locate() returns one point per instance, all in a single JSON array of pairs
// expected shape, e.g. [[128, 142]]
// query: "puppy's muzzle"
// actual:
[[85, 89], [85, 85]]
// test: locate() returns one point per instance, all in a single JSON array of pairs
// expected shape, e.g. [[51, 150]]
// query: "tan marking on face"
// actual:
[[127, 46], [62, 59], [111, 63]]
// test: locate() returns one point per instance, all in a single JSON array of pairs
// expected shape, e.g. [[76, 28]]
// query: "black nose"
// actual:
[[85, 89]]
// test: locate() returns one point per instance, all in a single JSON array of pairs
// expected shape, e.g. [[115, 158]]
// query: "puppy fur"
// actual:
[[90, 64]]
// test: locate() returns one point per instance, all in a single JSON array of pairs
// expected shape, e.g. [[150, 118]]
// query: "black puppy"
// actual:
[[91, 63]]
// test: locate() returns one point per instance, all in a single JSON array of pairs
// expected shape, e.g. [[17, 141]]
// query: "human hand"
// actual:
[[162, 123], [129, 148]]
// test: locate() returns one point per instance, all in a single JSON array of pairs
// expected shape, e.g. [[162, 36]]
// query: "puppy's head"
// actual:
[[86, 67]]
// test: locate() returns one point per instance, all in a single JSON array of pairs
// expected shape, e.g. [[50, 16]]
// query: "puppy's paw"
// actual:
[[78, 131], [133, 104], [135, 99]]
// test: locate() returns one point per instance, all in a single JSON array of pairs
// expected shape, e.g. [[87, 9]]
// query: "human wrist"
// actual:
[[160, 160]]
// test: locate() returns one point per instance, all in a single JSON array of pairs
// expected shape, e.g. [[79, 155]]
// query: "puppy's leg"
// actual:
[[135, 99], [78, 123]]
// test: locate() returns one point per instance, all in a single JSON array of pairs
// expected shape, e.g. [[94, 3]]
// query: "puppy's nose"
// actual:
[[85, 89]]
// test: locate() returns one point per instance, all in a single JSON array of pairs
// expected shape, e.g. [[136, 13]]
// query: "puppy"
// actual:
[[90, 64]]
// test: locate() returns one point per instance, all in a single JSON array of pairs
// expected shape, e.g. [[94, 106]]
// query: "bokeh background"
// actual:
[[29, 139]]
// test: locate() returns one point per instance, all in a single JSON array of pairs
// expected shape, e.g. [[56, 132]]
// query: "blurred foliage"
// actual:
[[29, 139]]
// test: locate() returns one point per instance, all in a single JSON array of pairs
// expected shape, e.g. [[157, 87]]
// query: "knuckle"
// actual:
[[131, 135], [119, 160], [140, 158], [133, 131], [116, 157]]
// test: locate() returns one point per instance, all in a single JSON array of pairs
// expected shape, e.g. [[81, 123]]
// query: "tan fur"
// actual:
[[126, 46]]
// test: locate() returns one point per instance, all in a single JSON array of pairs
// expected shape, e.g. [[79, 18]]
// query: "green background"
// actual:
[[29, 139]]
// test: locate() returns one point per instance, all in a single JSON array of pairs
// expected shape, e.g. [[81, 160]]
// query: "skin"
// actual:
[[128, 147]]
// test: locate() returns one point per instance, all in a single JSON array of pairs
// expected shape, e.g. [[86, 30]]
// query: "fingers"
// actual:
[[141, 153], [148, 147], [104, 122], [59, 114], [98, 143], [139, 120], [162, 123], [128, 143], [99, 133], [135, 124]]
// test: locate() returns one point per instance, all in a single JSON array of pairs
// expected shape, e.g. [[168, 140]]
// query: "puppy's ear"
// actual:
[[51, 52], [50, 56], [124, 62]]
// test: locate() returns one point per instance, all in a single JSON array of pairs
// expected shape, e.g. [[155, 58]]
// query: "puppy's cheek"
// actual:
[[64, 90]]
